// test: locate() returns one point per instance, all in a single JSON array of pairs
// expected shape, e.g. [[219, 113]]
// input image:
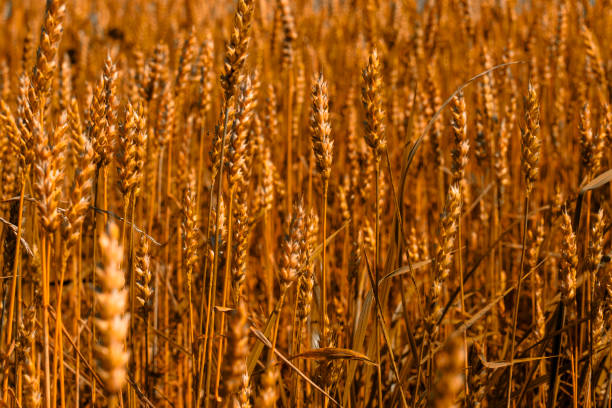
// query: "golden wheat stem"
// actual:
[[104, 193], [210, 330], [311, 166], [297, 385], [191, 319], [517, 297], [226, 282], [200, 166], [289, 139], [441, 190], [268, 262], [205, 298], [76, 265], [131, 250], [209, 321], [493, 274], [166, 352], [15, 277], [530, 152], [96, 226], [105, 220], [19, 371], [277, 312], [132, 298], [126, 206], [46, 249], [324, 268], [60, 342], [574, 360], [146, 352], [460, 266], [209, 339], [156, 157], [296, 324], [587, 300], [377, 274], [389, 349], [58, 351]]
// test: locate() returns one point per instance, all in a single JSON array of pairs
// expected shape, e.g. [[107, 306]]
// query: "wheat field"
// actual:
[[307, 203]]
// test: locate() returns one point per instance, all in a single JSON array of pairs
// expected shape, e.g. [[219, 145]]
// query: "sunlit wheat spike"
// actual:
[[320, 128], [236, 49], [144, 275], [112, 321], [50, 36], [289, 34], [462, 145], [530, 141], [371, 97]]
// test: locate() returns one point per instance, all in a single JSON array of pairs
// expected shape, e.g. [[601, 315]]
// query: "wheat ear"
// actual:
[[112, 321]]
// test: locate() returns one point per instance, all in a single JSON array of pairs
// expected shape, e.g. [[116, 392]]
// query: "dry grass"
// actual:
[[305, 203]]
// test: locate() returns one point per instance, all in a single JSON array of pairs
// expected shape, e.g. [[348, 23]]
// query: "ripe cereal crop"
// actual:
[[305, 203]]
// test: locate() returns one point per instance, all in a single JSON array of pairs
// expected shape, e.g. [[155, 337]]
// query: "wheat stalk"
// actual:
[[322, 146]]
